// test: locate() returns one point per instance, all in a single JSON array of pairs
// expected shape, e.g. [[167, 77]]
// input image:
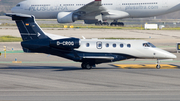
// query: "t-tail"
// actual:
[[27, 26], [32, 35]]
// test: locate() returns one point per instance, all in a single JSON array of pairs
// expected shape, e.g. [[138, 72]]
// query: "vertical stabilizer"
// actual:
[[27, 26]]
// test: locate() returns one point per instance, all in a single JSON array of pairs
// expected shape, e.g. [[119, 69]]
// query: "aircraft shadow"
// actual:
[[53, 68], [74, 68]]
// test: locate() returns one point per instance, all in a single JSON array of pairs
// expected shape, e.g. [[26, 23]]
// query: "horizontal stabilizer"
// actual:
[[18, 15]]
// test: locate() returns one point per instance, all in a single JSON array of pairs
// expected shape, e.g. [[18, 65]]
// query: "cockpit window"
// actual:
[[151, 45], [18, 5], [148, 45]]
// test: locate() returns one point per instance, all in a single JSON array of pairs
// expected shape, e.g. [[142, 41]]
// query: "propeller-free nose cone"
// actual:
[[14, 10], [171, 56]]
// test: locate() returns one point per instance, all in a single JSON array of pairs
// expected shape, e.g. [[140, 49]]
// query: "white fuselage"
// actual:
[[134, 48], [48, 9]]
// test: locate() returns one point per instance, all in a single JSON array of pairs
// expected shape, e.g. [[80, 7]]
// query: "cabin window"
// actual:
[[114, 45], [87, 44], [128, 45], [99, 45], [107, 45], [121, 45]]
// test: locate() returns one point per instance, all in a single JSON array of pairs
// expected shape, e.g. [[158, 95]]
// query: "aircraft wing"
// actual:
[[94, 7], [96, 10]]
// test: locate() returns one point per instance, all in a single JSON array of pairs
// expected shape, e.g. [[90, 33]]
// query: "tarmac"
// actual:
[[43, 77]]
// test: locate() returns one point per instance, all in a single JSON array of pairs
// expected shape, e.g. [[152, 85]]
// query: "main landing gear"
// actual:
[[158, 65], [115, 23], [87, 65], [99, 23]]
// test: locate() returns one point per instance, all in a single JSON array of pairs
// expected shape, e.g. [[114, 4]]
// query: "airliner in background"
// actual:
[[88, 51], [97, 11]]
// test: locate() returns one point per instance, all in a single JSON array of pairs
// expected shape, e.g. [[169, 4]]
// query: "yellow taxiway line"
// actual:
[[16, 61], [144, 66]]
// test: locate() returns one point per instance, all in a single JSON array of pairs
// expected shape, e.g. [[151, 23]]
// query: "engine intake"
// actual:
[[66, 17]]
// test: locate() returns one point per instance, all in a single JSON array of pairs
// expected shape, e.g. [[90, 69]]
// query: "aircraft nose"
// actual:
[[171, 56], [13, 10], [164, 54]]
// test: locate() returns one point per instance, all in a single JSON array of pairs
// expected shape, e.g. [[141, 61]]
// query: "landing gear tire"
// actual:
[[105, 23], [83, 66], [97, 24], [86, 66], [117, 24], [158, 66], [101, 23]]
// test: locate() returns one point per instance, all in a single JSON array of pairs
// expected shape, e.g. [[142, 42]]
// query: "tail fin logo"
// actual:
[[39, 34], [27, 24]]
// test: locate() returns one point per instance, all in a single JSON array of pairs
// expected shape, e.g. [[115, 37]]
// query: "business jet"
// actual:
[[88, 51], [97, 11]]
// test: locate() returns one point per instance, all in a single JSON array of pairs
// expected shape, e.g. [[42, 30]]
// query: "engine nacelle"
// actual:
[[66, 44], [66, 17]]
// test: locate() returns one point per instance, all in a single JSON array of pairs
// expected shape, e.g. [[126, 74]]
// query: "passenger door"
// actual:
[[164, 4], [99, 45]]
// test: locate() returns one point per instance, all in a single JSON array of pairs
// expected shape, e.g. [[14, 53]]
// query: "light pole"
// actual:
[[4, 51]]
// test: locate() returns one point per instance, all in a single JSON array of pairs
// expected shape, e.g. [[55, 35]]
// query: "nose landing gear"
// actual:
[[158, 65]]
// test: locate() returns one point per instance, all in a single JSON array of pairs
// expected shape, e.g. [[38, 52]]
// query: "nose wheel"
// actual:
[[158, 65]]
